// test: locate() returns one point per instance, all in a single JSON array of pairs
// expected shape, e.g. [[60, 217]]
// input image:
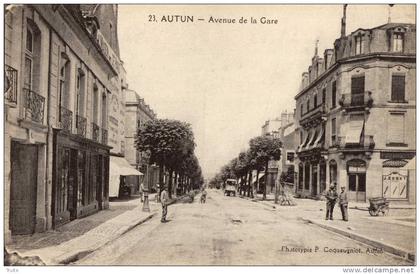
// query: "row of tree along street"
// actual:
[[262, 149], [170, 144]]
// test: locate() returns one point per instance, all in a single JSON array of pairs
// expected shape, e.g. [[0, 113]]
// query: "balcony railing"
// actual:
[[34, 106], [315, 113], [356, 100], [366, 142], [81, 125], [95, 132], [104, 135], [66, 119], [10, 84]]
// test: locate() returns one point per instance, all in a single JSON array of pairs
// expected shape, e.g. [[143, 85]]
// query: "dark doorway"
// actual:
[[314, 191], [23, 188]]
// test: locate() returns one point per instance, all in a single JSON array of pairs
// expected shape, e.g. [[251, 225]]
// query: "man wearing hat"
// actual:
[[342, 199], [331, 197], [164, 199]]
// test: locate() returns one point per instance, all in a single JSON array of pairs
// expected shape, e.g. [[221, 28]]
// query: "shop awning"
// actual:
[[320, 137], [305, 141], [311, 139], [254, 178], [118, 166], [353, 131]]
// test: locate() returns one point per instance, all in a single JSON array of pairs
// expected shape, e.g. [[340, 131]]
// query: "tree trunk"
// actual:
[[266, 181], [250, 190], [258, 180], [176, 182], [171, 172], [160, 181]]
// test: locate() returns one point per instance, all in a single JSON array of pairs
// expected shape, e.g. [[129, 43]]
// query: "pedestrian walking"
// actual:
[[141, 190], [331, 199], [164, 201], [203, 196], [344, 203]]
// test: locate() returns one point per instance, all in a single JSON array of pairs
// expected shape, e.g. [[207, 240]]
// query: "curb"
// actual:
[[408, 255], [72, 257]]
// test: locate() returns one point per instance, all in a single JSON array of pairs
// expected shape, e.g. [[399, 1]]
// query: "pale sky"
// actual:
[[228, 79]]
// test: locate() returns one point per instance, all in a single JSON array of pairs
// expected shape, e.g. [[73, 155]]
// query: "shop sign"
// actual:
[[397, 155]]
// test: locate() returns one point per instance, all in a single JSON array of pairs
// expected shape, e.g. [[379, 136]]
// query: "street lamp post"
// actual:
[[146, 207]]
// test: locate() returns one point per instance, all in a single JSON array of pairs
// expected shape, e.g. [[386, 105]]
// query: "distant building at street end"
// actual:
[[356, 116], [137, 112]]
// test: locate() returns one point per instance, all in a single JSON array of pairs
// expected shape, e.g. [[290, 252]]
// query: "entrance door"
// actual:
[[356, 171], [23, 188]]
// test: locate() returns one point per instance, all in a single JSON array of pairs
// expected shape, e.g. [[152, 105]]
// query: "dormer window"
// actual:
[[360, 44], [398, 42]]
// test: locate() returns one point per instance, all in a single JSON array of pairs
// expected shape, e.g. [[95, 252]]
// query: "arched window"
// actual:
[[64, 95], [32, 56]]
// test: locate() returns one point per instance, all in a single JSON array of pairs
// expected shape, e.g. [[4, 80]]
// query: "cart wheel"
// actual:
[[373, 212], [385, 211]]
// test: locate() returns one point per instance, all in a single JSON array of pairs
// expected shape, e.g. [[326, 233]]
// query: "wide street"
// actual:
[[233, 231]]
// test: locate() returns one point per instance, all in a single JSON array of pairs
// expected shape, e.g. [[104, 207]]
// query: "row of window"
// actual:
[[397, 43], [31, 79], [395, 129], [357, 93]]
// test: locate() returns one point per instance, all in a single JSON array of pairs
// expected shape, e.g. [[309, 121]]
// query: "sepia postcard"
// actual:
[[210, 135]]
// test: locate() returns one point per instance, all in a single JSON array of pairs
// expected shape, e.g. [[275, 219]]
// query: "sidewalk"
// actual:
[[76, 239], [394, 233]]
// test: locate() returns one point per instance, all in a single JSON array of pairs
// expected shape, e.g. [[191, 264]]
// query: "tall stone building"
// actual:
[[356, 115], [137, 112], [62, 67]]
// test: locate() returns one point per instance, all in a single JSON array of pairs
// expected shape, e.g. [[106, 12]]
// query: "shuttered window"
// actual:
[[395, 134], [398, 88], [334, 94], [357, 90]]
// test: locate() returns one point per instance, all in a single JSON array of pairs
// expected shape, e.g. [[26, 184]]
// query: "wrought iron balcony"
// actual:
[[313, 116], [104, 136], [10, 84], [81, 125], [66, 119], [350, 101], [95, 132], [366, 143], [34, 106]]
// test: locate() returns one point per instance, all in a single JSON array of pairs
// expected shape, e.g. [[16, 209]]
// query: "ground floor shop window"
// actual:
[[394, 179], [307, 175], [322, 176], [81, 177]]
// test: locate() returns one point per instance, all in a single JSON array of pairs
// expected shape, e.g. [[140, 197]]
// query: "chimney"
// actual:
[[328, 54], [343, 22], [305, 80], [283, 119]]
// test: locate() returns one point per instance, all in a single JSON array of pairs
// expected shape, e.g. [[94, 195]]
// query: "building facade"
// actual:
[[59, 78], [137, 112], [356, 115]]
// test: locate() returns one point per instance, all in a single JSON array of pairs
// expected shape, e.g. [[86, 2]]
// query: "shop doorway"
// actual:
[[314, 183], [24, 173], [356, 172]]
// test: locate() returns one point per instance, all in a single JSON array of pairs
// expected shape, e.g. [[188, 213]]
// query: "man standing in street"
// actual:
[[141, 190], [331, 198], [342, 199], [164, 201]]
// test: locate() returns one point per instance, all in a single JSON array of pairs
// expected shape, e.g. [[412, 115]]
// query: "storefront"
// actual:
[[122, 175], [80, 177]]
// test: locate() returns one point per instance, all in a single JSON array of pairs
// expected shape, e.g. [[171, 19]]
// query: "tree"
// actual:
[[167, 141], [262, 150]]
